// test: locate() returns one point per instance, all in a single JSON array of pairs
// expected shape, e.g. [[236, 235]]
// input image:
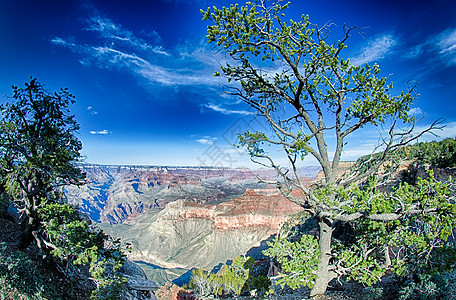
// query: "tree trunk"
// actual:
[[387, 258], [25, 239], [324, 273]]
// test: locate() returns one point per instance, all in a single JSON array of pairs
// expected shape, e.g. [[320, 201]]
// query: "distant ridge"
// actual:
[[170, 167], [89, 165]]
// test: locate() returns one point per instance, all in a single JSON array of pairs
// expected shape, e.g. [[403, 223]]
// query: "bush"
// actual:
[[261, 285], [20, 279], [439, 154], [371, 293], [424, 287], [77, 244], [299, 260], [231, 279]]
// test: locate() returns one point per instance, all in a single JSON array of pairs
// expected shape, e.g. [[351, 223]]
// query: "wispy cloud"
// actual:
[[207, 140], [121, 49], [117, 34], [102, 132], [376, 49], [62, 42], [225, 111], [441, 46], [446, 43], [91, 111], [415, 111]]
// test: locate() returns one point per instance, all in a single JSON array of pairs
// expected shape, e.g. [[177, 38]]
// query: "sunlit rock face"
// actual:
[[255, 210], [186, 234], [115, 193], [184, 217]]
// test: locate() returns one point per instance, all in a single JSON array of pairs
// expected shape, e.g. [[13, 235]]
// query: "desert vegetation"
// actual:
[[415, 256], [312, 94], [231, 280], [38, 155]]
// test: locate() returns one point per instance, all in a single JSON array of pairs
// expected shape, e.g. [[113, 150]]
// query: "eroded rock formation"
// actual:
[[187, 234], [184, 217], [115, 193]]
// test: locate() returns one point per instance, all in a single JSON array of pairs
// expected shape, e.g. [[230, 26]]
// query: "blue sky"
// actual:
[[141, 71]]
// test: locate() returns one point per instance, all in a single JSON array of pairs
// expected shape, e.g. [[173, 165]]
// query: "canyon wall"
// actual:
[[186, 234], [177, 218], [114, 193]]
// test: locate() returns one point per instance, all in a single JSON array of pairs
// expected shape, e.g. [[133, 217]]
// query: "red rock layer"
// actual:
[[251, 209]]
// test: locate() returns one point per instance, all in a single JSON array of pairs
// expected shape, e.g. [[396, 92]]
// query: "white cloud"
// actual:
[[446, 44], [415, 51], [110, 58], [415, 111], [91, 111], [441, 46], [375, 50], [203, 54], [116, 34], [102, 132], [62, 42], [225, 111], [121, 49], [205, 141]]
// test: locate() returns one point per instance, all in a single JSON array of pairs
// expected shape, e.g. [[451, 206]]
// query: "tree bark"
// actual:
[[25, 239], [324, 273], [387, 258]]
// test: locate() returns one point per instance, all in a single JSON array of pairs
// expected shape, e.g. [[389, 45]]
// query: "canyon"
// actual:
[[178, 218]]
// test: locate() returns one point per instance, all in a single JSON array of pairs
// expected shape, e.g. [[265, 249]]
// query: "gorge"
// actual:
[[178, 218]]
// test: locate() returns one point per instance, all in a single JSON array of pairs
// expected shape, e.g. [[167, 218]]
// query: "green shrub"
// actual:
[[299, 260], [261, 285], [231, 279], [20, 279], [371, 293], [78, 244], [439, 154], [426, 287]]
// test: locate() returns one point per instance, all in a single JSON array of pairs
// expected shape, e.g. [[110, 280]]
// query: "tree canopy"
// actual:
[[39, 152], [440, 154], [299, 82]]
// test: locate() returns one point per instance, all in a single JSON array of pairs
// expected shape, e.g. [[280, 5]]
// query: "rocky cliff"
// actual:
[[176, 218], [186, 234], [115, 193]]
